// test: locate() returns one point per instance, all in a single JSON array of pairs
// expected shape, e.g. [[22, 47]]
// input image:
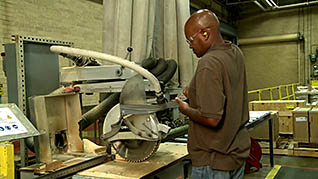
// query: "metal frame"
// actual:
[[279, 88], [104, 72], [108, 87], [1, 91], [22, 101], [20, 40]]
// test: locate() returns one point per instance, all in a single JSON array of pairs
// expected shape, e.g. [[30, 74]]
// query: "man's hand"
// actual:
[[186, 92], [182, 105], [195, 115]]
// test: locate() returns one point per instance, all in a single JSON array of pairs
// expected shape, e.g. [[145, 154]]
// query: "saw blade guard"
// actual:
[[135, 137]]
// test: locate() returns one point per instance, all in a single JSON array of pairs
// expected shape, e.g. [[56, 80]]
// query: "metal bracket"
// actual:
[[20, 40], [71, 170]]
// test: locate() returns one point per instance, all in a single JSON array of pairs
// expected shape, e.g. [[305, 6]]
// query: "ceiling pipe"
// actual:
[[236, 3], [259, 5], [268, 3], [273, 6], [271, 39], [295, 5]]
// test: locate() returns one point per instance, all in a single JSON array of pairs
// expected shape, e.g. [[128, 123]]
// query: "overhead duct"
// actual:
[[295, 5], [272, 6], [271, 39]]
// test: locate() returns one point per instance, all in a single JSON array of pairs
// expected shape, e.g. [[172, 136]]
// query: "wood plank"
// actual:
[[166, 154], [264, 144], [73, 114], [39, 115], [276, 151], [305, 153], [293, 150]]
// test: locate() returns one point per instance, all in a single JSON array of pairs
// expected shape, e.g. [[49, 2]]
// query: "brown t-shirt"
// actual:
[[219, 90]]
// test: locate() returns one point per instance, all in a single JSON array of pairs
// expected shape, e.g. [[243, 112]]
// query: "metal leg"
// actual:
[[37, 149], [271, 151], [95, 131], [23, 153]]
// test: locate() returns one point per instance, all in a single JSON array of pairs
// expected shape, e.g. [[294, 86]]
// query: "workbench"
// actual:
[[170, 159], [256, 119]]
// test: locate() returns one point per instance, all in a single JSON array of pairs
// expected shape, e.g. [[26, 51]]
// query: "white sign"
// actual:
[[301, 119], [9, 123]]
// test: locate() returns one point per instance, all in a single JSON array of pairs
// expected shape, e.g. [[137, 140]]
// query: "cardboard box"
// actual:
[[276, 105], [284, 108], [261, 131], [286, 122], [301, 124], [313, 125]]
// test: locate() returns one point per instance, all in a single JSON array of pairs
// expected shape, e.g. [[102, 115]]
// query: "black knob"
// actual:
[[129, 49]]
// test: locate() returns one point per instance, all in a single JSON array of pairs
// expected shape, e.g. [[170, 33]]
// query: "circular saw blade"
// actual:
[[136, 150]]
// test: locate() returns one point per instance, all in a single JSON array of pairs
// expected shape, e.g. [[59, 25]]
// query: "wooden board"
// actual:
[[167, 154], [57, 114]]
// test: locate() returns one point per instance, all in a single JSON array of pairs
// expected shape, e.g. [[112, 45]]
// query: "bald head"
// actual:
[[202, 31], [203, 19]]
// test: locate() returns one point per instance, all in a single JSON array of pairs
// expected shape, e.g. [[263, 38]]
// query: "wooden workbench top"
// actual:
[[167, 154]]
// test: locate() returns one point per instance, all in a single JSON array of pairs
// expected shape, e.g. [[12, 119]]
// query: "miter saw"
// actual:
[[132, 126], [136, 125]]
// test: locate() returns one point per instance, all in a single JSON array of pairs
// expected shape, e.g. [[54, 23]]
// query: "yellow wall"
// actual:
[[274, 64], [78, 21]]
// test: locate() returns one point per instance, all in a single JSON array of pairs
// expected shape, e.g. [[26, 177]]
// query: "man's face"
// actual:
[[194, 40]]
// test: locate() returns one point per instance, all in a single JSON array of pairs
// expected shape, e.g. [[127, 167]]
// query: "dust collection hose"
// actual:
[[117, 60], [98, 111]]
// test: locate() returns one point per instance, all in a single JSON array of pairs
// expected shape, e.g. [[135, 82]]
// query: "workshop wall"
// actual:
[[78, 21], [275, 64]]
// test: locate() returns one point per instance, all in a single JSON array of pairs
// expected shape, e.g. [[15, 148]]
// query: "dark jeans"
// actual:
[[206, 172]]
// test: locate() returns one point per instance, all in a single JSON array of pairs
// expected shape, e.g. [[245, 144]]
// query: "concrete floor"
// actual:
[[292, 167]]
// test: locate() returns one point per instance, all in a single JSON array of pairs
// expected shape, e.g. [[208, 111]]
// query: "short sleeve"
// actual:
[[210, 91]]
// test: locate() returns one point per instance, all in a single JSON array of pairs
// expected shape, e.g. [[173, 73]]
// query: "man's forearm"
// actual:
[[195, 115]]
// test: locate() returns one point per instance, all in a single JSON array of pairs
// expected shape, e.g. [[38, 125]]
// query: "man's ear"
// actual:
[[205, 35]]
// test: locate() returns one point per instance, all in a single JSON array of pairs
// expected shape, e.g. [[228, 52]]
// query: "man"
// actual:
[[218, 142]]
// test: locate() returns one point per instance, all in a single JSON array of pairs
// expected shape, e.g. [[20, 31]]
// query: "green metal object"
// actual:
[[1, 89], [176, 132], [313, 57]]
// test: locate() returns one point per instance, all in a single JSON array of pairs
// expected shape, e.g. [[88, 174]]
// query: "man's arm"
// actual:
[[195, 115]]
